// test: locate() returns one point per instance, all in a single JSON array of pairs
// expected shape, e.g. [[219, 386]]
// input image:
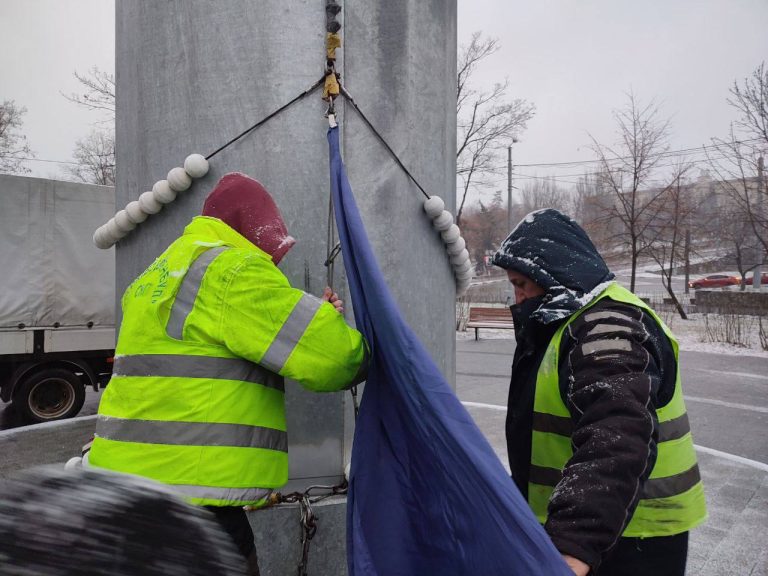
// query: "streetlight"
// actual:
[[509, 184]]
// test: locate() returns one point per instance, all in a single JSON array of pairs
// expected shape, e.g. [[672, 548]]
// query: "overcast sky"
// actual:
[[575, 60], [42, 43]]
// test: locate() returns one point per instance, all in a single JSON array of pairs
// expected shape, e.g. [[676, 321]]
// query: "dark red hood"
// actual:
[[246, 206]]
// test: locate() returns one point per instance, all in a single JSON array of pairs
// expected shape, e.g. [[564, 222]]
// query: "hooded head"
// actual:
[[552, 250], [245, 205]]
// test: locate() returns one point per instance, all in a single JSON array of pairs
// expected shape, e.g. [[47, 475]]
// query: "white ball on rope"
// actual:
[[433, 206], [456, 247], [100, 238], [465, 275], [123, 222], [196, 165], [460, 258], [178, 180], [443, 221], [113, 232], [110, 235], [462, 267], [149, 204], [163, 193], [451, 235], [135, 212]]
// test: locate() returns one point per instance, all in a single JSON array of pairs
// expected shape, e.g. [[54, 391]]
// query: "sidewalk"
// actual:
[[733, 542]]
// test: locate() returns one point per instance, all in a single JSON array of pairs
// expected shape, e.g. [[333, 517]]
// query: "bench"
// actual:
[[487, 317]]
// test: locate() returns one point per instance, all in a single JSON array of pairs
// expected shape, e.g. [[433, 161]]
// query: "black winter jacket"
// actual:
[[615, 431], [611, 396]]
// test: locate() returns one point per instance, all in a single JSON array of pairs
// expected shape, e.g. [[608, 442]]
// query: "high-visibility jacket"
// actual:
[[196, 399], [672, 500]]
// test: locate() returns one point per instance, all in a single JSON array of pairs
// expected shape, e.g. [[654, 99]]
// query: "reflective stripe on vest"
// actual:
[[292, 330], [187, 294], [182, 366], [190, 433], [669, 430], [672, 499], [215, 493]]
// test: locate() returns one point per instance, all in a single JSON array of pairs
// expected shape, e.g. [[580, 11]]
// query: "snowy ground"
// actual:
[[691, 334]]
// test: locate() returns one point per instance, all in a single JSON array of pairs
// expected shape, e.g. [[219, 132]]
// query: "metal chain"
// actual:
[[307, 518]]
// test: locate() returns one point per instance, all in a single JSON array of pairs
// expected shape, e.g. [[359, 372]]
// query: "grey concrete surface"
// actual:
[[190, 77], [49, 443], [327, 549]]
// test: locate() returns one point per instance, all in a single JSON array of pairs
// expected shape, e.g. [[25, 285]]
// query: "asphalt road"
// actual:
[[727, 400], [726, 395]]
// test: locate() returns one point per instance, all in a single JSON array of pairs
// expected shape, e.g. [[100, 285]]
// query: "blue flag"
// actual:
[[427, 494]]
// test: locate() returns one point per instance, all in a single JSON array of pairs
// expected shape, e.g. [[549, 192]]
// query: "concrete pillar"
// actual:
[[192, 74]]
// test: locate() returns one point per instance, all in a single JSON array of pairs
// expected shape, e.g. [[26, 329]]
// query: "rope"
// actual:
[[351, 100], [267, 118]]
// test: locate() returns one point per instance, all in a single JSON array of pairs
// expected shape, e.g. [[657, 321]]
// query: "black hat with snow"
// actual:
[[555, 252]]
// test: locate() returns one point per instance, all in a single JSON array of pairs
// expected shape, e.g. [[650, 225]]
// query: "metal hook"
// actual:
[[333, 254]]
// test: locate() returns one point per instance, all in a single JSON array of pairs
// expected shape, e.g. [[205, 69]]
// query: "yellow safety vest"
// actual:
[[673, 497], [196, 399]]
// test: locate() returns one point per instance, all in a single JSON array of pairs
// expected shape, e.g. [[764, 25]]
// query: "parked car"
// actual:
[[763, 279], [714, 281]]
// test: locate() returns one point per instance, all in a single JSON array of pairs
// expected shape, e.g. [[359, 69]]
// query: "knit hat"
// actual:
[[245, 206]]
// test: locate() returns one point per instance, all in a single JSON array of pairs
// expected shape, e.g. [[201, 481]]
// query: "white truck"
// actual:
[[57, 295]]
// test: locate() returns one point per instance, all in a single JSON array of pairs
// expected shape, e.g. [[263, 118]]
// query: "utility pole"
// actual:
[[509, 188], [510, 221], [757, 275], [687, 259]]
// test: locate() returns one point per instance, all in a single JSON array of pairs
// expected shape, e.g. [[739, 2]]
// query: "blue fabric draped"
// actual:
[[427, 494]]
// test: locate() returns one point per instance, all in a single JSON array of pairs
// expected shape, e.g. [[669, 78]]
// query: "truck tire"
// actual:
[[51, 394]]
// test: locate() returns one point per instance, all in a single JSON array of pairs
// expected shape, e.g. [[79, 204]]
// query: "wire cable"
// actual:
[[351, 100], [267, 118]]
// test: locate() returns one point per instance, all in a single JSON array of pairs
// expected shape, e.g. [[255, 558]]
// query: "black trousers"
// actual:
[[235, 523], [662, 556]]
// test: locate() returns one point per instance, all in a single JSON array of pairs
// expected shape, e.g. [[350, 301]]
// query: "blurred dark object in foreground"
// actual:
[[56, 522]]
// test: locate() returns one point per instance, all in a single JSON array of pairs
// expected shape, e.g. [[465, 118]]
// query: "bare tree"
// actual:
[[591, 200], [732, 230], [665, 235], [95, 154], [487, 121], [544, 192], [98, 94], [13, 145], [95, 157], [485, 227], [738, 161], [751, 100], [735, 166], [625, 170]]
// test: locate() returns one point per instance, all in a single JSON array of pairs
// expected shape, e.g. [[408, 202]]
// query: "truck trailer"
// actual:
[[57, 295]]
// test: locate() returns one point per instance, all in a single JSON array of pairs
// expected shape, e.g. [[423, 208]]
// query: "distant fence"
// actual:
[[496, 291], [731, 302]]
